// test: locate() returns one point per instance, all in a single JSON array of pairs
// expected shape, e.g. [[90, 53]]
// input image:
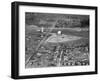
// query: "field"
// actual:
[[40, 53], [56, 40]]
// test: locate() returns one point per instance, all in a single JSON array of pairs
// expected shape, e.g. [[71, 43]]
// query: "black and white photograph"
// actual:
[[50, 40], [56, 40]]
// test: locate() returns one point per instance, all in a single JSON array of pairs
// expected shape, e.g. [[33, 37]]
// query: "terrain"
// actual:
[[45, 47]]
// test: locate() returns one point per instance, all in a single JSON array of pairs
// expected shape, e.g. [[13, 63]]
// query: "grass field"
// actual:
[[47, 54]]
